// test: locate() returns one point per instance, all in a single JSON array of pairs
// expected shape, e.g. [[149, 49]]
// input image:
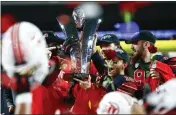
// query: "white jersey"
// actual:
[[32, 45], [116, 103]]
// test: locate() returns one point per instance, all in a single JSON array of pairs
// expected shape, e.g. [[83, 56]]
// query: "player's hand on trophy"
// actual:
[[154, 74], [49, 49], [68, 43], [84, 84], [94, 43]]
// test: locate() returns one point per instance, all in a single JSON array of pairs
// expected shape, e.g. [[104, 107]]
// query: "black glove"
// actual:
[[69, 42]]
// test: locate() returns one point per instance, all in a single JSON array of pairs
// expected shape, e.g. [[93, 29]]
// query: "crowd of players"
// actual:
[[36, 65]]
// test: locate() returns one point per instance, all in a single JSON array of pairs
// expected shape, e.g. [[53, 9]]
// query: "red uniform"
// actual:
[[165, 73], [49, 97], [88, 100], [46, 100]]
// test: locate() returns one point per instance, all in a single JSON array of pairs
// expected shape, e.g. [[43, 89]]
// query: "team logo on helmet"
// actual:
[[113, 108]]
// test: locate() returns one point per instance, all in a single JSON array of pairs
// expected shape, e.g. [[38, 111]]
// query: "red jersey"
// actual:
[[88, 100], [49, 97]]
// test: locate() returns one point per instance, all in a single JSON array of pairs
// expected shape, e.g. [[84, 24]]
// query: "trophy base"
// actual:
[[80, 76], [69, 76]]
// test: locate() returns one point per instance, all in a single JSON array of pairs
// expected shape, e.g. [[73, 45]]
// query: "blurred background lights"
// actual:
[[7, 20], [91, 9], [130, 27]]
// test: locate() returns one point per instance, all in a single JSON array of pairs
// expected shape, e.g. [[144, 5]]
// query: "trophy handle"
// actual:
[[68, 26], [90, 27]]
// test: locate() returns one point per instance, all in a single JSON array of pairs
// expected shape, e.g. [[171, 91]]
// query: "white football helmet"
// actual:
[[164, 98], [116, 103], [24, 42]]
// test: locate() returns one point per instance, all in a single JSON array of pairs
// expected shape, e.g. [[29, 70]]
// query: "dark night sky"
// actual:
[[158, 15]]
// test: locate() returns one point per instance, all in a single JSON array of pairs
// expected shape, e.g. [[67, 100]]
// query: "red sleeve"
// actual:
[[95, 96], [18, 85], [164, 70], [60, 87], [76, 90], [93, 71], [128, 87], [5, 80], [66, 60], [81, 100], [53, 75], [87, 101], [56, 59], [153, 83]]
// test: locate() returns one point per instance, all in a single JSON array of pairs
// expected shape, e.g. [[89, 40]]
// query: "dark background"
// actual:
[[155, 16]]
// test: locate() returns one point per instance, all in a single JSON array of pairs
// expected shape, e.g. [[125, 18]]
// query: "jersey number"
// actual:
[[139, 76]]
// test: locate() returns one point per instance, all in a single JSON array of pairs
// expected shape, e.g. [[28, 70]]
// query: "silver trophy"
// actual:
[[89, 30], [72, 38], [81, 50], [90, 26]]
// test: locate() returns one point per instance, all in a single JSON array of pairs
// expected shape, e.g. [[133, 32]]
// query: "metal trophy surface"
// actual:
[[68, 26], [79, 17], [90, 25], [81, 49]]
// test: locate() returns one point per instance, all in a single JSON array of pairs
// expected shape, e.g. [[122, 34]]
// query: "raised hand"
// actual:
[[84, 84]]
